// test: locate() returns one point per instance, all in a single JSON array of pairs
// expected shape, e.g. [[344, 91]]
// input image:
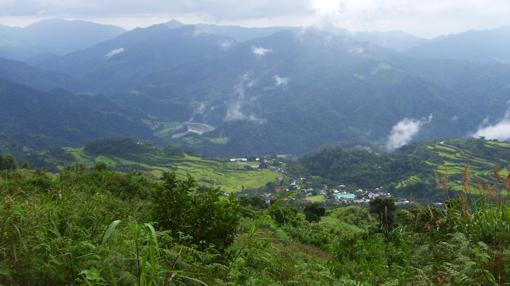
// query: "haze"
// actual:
[[422, 18]]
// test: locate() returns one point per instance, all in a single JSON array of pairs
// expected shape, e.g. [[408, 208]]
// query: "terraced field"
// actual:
[[229, 176], [451, 157]]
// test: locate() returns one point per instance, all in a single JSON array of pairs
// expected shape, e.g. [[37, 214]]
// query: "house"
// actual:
[[346, 197]]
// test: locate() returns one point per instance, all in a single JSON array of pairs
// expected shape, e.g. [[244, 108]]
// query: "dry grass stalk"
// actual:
[[466, 180], [497, 174]]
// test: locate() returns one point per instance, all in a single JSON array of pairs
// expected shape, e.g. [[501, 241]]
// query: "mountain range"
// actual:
[[224, 90], [52, 37]]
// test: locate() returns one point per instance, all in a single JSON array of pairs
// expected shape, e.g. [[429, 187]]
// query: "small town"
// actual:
[[305, 192]]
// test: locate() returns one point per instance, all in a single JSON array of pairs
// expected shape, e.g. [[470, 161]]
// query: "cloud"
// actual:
[[404, 131], [212, 9], [260, 51], [499, 130], [114, 52], [236, 108], [326, 7], [281, 81], [425, 18]]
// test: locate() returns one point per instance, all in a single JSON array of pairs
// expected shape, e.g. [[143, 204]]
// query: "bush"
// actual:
[[202, 215], [314, 212]]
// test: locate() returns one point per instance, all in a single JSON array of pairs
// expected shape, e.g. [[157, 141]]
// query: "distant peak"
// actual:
[[174, 24], [56, 21]]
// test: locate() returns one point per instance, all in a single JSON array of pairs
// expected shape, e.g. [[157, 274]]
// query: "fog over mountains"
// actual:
[[225, 90], [52, 37]]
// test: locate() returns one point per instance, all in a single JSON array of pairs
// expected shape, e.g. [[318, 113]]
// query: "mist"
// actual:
[[498, 131], [405, 131]]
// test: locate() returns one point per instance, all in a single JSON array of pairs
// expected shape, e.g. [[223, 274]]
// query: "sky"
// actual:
[[426, 19]]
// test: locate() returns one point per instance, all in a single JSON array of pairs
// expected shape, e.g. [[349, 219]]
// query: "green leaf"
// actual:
[[111, 229]]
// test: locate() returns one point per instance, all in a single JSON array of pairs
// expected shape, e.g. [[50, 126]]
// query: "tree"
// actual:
[[314, 212], [384, 208], [282, 214], [7, 163], [203, 214]]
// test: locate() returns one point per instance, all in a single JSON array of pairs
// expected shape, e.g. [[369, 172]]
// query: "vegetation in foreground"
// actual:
[[95, 226]]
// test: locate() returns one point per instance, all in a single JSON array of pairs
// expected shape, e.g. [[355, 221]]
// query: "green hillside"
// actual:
[[451, 157], [413, 169], [136, 156]]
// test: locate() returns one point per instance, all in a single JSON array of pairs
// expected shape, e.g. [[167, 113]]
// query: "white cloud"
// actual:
[[281, 81], [260, 51], [404, 132], [237, 107], [114, 52], [425, 18], [499, 130], [326, 7]]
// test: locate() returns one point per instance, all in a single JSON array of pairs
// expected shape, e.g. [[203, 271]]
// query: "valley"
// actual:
[[273, 91], [227, 152]]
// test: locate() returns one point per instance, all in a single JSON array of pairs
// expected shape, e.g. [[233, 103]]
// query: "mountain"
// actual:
[[487, 46], [22, 73], [239, 34], [289, 92], [394, 40], [57, 37], [37, 119], [133, 58]]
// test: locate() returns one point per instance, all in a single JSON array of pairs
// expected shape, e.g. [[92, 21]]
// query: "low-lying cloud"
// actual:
[[281, 81], [499, 130], [236, 108], [114, 52], [405, 131], [260, 51]]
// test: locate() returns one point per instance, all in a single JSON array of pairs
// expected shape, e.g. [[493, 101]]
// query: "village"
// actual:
[[306, 191]]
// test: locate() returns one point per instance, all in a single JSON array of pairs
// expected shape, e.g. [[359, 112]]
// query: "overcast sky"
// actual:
[[426, 18]]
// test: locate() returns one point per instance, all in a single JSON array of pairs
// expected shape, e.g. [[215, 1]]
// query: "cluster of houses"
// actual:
[[343, 195], [306, 193]]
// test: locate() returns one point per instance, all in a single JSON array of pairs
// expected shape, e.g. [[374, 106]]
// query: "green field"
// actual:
[[230, 177], [316, 199], [451, 157]]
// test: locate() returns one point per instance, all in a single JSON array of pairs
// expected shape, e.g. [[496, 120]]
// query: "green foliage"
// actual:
[[359, 168], [93, 227], [201, 214], [7, 163], [411, 170], [282, 214], [384, 209], [314, 212], [132, 156]]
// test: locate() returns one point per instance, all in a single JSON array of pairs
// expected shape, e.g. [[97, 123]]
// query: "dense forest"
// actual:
[[95, 226]]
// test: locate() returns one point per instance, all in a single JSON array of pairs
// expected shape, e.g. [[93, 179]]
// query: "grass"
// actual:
[[230, 177], [168, 129], [408, 182], [316, 199]]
